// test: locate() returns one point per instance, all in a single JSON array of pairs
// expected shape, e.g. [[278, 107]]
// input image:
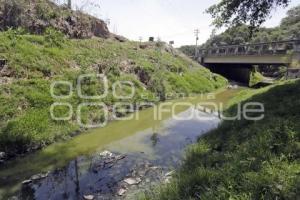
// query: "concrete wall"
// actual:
[[248, 59], [293, 73], [295, 60]]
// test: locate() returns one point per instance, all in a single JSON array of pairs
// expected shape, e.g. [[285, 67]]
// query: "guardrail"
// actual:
[[269, 48]]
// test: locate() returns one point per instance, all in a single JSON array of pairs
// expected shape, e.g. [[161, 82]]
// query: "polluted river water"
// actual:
[[117, 161]]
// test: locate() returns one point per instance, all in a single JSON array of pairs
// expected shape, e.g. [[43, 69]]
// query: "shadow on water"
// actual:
[[145, 141]]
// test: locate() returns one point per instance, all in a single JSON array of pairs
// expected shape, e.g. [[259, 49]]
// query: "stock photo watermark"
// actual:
[[252, 111]]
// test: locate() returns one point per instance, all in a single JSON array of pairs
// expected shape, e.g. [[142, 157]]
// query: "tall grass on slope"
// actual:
[[246, 159], [34, 62]]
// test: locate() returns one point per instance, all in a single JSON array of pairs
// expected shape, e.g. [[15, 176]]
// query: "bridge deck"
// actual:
[[248, 59], [283, 52]]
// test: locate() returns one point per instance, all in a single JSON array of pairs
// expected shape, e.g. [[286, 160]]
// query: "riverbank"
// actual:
[[245, 159], [160, 142], [34, 62]]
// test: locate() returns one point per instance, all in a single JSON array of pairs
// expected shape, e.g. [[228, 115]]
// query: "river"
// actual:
[[140, 153]]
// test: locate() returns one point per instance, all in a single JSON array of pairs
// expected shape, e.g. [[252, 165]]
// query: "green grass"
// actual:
[[255, 78], [36, 61], [245, 159]]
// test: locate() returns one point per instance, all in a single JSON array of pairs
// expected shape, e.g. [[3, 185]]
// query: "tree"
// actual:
[[236, 35], [236, 12], [293, 17]]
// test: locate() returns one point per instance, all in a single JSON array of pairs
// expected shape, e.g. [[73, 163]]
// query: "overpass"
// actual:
[[237, 61]]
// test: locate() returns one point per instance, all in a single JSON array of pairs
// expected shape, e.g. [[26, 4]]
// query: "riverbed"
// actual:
[[115, 162]]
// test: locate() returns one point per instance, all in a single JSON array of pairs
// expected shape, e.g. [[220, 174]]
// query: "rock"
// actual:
[[169, 174], [35, 177], [154, 168], [120, 157], [106, 154], [126, 66], [168, 177], [2, 63], [120, 38], [143, 46], [132, 181], [6, 71], [121, 191], [88, 197], [143, 75], [142, 172], [167, 180], [99, 28], [38, 177], [73, 23], [169, 49], [72, 20], [26, 182], [2, 155], [5, 80]]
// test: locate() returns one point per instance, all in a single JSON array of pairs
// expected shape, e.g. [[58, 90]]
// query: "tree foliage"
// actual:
[[236, 12], [293, 17], [236, 35]]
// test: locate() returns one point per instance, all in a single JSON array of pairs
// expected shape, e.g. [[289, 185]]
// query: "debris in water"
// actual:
[[26, 182], [38, 176], [132, 181], [121, 191], [88, 197], [106, 154]]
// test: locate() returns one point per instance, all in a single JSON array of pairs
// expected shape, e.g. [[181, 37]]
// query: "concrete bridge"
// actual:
[[237, 61]]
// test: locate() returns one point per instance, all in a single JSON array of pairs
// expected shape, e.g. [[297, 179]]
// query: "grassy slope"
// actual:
[[244, 159], [35, 61], [255, 78]]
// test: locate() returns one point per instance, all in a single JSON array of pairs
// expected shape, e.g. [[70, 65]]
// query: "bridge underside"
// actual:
[[237, 72], [236, 61]]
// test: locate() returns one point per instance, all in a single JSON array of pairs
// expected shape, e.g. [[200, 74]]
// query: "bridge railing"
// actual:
[[271, 48]]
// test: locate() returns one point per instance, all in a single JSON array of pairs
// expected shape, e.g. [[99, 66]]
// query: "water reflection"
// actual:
[[145, 142], [91, 175], [154, 139]]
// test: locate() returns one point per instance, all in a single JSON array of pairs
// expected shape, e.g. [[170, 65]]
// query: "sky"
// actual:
[[170, 20]]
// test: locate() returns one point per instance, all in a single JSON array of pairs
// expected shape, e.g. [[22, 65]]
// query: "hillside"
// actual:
[[245, 159], [35, 61], [38, 15]]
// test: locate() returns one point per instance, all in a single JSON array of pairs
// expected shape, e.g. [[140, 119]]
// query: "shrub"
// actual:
[[13, 35], [54, 38], [245, 159], [30, 130], [255, 78]]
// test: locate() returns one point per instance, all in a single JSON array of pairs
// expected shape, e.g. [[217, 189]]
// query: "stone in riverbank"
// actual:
[[26, 182], [121, 191], [132, 181], [2, 155], [39, 176], [112, 178], [88, 197], [106, 154], [107, 160], [36, 177]]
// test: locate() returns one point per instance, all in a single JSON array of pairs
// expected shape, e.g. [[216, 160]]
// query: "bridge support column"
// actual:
[[237, 72]]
